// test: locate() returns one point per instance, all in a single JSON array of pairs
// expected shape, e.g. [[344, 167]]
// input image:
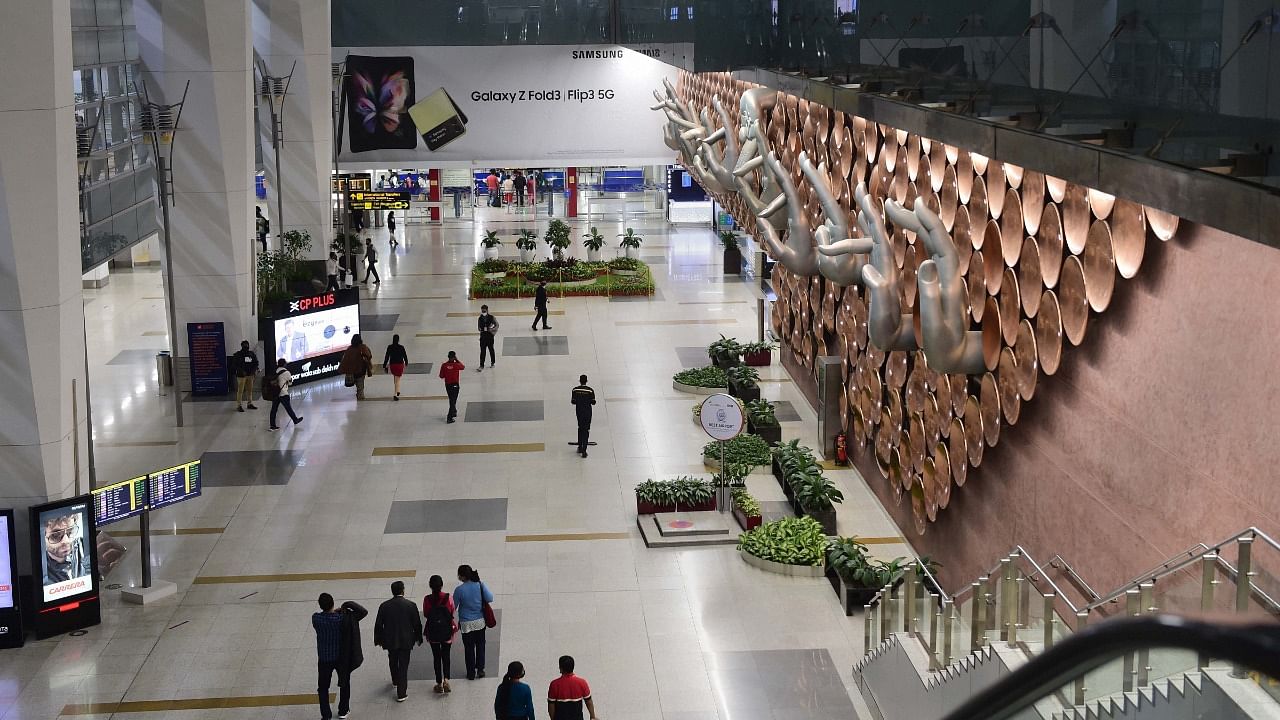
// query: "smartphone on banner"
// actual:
[[439, 119]]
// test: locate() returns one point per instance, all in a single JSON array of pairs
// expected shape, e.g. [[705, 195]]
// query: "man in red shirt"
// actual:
[[492, 183], [568, 693], [449, 373]]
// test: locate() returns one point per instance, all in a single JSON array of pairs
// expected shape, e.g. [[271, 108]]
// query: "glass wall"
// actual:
[[117, 191]]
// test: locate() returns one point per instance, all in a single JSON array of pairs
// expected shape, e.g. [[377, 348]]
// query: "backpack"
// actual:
[[439, 622], [270, 387]]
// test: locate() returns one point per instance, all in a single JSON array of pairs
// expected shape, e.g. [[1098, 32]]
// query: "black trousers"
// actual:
[[486, 343], [541, 315], [288, 406], [440, 660], [473, 651], [372, 269], [398, 662], [584, 432], [452, 391], [326, 670], [333, 283]]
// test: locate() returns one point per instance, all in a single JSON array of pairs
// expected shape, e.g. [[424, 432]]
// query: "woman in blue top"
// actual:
[[514, 700], [469, 597]]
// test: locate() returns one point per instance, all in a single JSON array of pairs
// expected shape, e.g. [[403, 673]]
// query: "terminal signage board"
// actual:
[[10, 612], [173, 485], [378, 200], [119, 501]]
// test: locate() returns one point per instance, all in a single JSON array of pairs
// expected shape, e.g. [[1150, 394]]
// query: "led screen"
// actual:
[[6, 562], [62, 541], [121, 500], [174, 484], [319, 333]]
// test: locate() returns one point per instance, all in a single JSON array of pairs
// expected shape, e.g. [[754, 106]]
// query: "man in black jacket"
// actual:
[[397, 629], [540, 306], [487, 325], [583, 398], [245, 364], [337, 648]]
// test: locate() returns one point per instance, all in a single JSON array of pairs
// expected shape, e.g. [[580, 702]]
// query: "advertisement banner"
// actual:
[[312, 332], [207, 348], [65, 550], [504, 105]]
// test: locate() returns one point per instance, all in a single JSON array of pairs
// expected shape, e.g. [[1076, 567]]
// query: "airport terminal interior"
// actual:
[[860, 360]]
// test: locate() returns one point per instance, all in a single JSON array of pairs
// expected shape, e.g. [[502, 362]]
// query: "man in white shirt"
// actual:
[[331, 269], [283, 379]]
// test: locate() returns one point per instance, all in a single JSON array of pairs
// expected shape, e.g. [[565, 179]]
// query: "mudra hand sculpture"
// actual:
[[840, 257], [797, 253], [949, 345], [680, 120], [887, 328], [720, 168]]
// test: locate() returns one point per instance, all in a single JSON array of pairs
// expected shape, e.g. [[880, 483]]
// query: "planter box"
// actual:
[[694, 390], [811, 571], [747, 523], [495, 275], [852, 599], [758, 359], [771, 434], [625, 273], [724, 362], [744, 393], [575, 283], [647, 508], [732, 261], [713, 464], [825, 518]]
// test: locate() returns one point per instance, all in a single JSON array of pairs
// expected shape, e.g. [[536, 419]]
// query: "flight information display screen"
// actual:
[[114, 503], [174, 484]]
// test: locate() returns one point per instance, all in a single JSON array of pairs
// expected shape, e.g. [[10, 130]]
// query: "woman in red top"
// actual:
[[439, 629]]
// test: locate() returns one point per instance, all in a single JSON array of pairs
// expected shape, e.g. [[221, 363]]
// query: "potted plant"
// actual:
[[743, 382], [789, 456], [557, 238], [815, 495], [490, 243], [493, 268], [746, 509], [786, 546], [630, 244], [593, 242], [732, 253], [527, 243], [745, 449], [626, 267], [704, 377], [733, 475], [724, 353], [299, 276], [762, 421], [855, 577], [757, 354], [685, 493]]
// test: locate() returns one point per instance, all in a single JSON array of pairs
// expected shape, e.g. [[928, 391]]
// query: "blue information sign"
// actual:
[[207, 348]]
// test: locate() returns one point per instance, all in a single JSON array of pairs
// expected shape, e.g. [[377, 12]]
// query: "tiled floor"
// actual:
[[364, 493], [503, 411], [383, 322]]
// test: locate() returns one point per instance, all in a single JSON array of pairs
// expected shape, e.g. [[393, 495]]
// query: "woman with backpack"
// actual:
[[276, 386], [470, 598], [356, 364], [437, 608], [514, 699]]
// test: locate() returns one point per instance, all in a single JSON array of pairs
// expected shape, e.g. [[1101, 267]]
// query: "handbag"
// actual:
[[349, 380], [490, 620]]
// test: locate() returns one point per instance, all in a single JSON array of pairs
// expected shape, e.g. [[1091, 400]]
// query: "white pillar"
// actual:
[[206, 43], [41, 319], [286, 32]]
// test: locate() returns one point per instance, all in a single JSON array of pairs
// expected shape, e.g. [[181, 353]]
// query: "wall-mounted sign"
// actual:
[[121, 500], [207, 348], [378, 200], [722, 417]]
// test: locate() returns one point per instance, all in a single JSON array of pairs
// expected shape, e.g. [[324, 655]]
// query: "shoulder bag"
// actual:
[[490, 620]]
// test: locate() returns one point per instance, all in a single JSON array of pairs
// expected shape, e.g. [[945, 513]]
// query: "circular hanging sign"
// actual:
[[722, 416]]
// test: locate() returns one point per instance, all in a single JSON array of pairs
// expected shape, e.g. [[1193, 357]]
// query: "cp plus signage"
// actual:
[[504, 105], [378, 200]]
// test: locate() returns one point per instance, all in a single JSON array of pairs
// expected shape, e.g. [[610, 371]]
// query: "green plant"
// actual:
[[630, 239], [848, 557], [559, 272], [814, 490], [724, 349], [625, 264], [790, 541], [684, 490], [792, 455], [745, 503], [527, 240], [594, 240], [493, 265], [729, 240], [707, 377], [294, 246], [345, 244], [761, 413], [732, 475], [490, 239], [752, 348], [557, 237], [743, 376], [697, 410], [744, 449]]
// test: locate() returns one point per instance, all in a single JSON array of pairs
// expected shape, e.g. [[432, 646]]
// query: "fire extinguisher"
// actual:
[[842, 451]]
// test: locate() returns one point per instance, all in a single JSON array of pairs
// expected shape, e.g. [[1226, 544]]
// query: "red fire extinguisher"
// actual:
[[842, 451]]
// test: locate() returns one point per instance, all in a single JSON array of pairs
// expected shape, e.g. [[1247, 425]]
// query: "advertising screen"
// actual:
[[6, 561], [174, 484], [62, 541], [312, 332], [121, 500]]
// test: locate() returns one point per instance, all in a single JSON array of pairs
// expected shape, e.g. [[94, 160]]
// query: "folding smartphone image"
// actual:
[[378, 91], [439, 119]]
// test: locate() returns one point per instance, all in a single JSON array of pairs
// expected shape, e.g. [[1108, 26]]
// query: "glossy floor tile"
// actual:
[[248, 467], [503, 411], [435, 516], [538, 344], [382, 322]]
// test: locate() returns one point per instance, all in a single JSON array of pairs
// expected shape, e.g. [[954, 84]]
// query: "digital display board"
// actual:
[[121, 500], [6, 560], [312, 332], [62, 542], [174, 484], [207, 349], [380, 199]]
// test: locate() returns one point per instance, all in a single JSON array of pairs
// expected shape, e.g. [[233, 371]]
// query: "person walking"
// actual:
[[491, 182], [245, 363], [519, 182], [263, 226], [487, 325], [514, 699], [508, 189], [397, 629], [568, 693], [437, 609], [356, 364], [337, 649], [331, 271], [394, 361], [371, 262], [540, 306], [449, 372], [283, 380], [391, 226], [583, 397], [470, 598]]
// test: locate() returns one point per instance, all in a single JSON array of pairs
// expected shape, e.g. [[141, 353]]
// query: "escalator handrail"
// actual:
[[1253, 645]]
